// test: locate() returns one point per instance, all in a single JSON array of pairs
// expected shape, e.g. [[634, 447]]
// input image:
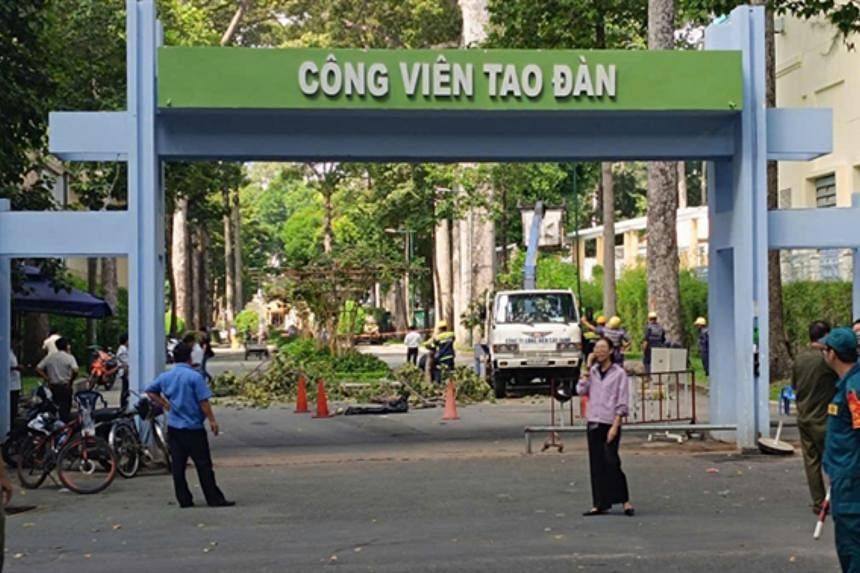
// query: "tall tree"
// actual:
[[608, 194], [27, 86], [662, 255]]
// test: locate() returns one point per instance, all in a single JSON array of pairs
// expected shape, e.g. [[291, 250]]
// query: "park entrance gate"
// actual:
[[451, 105]]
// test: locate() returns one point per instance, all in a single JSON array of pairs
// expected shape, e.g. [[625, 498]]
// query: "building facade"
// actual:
[[815, 68]]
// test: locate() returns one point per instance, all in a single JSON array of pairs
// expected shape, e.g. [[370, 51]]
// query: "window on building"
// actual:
[[591, 247], [825, 191]]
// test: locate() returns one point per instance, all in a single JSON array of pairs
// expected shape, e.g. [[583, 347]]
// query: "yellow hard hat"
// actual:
[[701, 321], [601, 319], [442, 324], [614, 322], [652, 315]]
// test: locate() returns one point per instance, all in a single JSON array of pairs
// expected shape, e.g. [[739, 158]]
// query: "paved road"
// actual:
[[411, 493]]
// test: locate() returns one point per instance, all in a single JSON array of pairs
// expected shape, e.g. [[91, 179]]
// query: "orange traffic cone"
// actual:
[[302, 397], [322, 401], [450, 404]]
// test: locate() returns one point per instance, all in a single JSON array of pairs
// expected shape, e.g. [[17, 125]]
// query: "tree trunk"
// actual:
[[662, 255], [478, 257], [168, 264], [92, 287], [442, 274], [110, 284], [608, 193], [238, 290], [180, 250], [682, 185], [476, 17], [327, 218], [227, 37], [503, 230], [35, 330], [781, 352], [201, 277], [229, 280]]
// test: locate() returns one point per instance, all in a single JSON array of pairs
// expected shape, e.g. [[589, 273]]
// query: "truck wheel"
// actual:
[[500, 385]]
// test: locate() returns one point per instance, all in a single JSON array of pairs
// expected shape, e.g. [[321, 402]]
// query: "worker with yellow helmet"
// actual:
[[704, 336], [619, 338], [442, 351], [655, 337]]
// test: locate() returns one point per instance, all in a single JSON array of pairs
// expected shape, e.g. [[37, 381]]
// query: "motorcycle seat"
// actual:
[[107, 414]]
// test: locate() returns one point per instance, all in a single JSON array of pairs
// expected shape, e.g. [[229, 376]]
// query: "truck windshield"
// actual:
[[535, 307]]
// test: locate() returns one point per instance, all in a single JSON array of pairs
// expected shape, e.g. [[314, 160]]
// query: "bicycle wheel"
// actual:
[[127, 449], [82, 462], [33, 465]]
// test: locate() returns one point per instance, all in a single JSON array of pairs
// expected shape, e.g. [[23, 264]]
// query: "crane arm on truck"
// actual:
[[530, 268]]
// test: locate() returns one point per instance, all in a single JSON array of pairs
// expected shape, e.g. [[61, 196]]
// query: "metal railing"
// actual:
[[662, 397]]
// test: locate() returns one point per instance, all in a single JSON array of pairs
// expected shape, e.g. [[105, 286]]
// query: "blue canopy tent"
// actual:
[[37, 294]]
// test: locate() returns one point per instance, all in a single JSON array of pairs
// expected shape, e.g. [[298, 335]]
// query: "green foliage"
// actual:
[[247, 321], [805, 301], [351, 319], [180, 324], [26, 85]]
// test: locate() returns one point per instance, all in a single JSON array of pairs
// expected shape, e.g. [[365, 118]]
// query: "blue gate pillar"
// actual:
[[855, 286], [145, 199], [737, 289], [5, 334]]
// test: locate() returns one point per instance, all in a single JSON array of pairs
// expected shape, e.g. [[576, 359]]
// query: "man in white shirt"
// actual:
[[49, 345], [60, 369], [122, 364], [412, 342]]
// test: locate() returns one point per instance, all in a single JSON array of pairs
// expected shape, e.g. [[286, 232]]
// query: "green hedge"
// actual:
[[805, 301]]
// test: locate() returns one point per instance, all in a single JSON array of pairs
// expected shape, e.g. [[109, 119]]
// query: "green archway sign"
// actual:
[[234, 78]]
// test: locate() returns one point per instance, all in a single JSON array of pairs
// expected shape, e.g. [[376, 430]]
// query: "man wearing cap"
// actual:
[[842, 446], [814, 384], [704, 341], [655, 337]]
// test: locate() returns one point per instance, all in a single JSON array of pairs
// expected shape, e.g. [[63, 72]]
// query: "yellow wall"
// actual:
[[815, 69], [78, 267]]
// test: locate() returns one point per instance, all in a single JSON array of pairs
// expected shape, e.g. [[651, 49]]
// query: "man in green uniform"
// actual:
[[842, 446], [814, 384]]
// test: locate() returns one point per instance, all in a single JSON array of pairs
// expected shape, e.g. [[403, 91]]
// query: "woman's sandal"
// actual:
[[595, 511], [630, 511]]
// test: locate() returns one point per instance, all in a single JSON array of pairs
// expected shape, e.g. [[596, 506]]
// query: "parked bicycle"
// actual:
[[20, 433], [126, 442], [84, 461]]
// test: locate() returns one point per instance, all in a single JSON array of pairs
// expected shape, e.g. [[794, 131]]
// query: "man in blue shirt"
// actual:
[[842, 446], [183, 393]]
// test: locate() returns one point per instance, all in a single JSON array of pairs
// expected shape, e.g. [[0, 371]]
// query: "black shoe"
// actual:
[[630, 512], [595, 511], [223, 503], [184, 505]]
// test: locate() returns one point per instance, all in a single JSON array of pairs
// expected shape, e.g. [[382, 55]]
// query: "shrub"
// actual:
[[247, 321]]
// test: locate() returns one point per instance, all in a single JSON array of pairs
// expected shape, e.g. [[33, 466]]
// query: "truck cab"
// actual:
[[534, 339]]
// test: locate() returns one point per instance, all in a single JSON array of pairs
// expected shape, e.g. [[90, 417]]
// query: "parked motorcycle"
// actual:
[[104, 369]]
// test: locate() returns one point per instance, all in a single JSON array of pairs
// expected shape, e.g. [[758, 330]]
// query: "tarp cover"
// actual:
[[36, 294]]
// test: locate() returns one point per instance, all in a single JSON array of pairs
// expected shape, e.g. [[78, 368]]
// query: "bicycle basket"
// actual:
[[87, 401]]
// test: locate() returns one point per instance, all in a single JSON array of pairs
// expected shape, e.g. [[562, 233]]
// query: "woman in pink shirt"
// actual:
[[605, 384]]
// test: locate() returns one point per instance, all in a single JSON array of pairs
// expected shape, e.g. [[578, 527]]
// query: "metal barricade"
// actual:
[[662, 397]]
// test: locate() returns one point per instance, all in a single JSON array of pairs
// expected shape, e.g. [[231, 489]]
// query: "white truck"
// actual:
[[534, 339]]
